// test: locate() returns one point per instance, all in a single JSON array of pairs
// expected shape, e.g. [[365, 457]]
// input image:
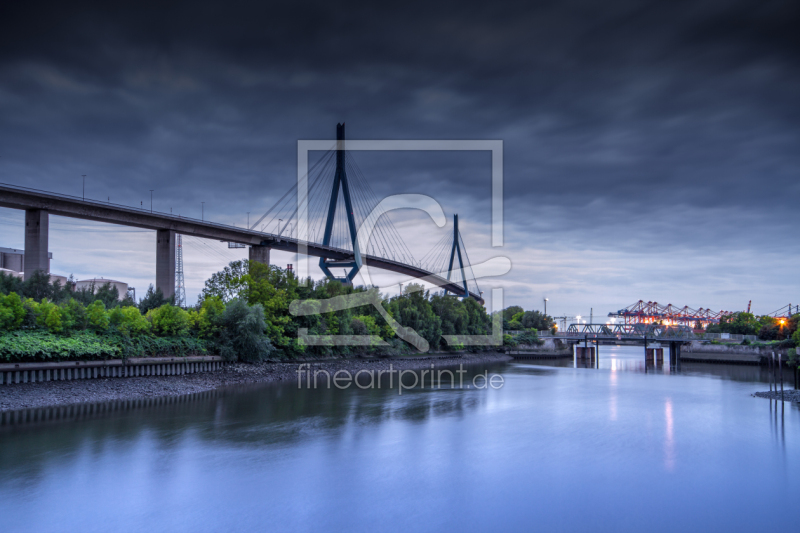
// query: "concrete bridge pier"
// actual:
[[675, 354], [259, 253], [37, 229], [165, 262]]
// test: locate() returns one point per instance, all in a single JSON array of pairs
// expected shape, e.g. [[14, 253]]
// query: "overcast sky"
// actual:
[[650, 148]]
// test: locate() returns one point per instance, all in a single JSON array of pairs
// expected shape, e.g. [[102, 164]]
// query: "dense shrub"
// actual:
[[43, 345], [529, 337], [12, 312], [96, 316], [169, 321], [129, 321], [149, 346], [243, 334]]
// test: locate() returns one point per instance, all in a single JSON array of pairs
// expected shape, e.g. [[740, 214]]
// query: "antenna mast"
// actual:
[[180, 289]]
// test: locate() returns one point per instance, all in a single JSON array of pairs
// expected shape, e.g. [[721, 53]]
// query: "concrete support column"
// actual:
[[165, 262], [36, 237], [259, 254]]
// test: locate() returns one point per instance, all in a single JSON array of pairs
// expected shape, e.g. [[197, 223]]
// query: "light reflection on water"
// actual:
[[557, 448]]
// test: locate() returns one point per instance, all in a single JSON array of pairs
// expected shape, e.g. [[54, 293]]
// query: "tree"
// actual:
[[38, 286], [243, 334], [509, 312], [536, 320], [153, 299], [737, 323], [10, 283], [108, 294], [414, 310], [228, 282]]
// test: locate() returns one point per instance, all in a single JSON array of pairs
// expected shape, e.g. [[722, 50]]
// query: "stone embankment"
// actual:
[[729, 353], [550, 349], [53, 393]]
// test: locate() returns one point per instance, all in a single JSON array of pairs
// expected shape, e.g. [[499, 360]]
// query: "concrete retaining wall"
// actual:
[[729, 353], [115, 368], [551, 348]]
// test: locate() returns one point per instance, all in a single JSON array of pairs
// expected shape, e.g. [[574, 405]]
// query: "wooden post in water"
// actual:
[[645, 349], [769, 366], [597, 354], [780, 364], [775, 372]]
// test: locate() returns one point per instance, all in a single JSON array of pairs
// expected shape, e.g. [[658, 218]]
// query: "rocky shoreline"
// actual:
[[788, 395], [58, 393]]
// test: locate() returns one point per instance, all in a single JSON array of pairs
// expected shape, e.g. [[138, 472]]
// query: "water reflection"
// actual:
[[632, 359], [256, 414], [669, 443], [278, 458]]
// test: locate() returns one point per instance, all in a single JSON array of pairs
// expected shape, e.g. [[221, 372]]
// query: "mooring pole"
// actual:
[[597, 352], [769, 370], [780, 364]]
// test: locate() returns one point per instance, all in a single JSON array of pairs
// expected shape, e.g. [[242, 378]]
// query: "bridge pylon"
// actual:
[[340, 180], [456, 250]]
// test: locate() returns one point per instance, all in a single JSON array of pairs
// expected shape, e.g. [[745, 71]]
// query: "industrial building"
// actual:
[[12, 263], [13, 259], [96, 283]]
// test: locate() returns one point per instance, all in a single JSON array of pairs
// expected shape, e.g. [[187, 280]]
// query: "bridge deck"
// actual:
[[15, 197]]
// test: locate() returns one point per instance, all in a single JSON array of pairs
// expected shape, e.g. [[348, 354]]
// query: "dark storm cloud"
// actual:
[[671, 122]]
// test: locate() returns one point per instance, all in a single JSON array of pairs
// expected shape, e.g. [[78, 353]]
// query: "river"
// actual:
[[555, 448]]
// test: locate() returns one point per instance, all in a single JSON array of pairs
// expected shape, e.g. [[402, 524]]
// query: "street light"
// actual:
[[203, 211], [545, 306], [151, 200]]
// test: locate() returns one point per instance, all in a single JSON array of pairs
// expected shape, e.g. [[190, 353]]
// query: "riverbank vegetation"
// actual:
[[243, 313], [766, 328]]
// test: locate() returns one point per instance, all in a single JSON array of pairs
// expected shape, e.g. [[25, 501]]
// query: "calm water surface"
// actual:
[[556, 449]]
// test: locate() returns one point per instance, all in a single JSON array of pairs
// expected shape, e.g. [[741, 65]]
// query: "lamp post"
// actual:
[[202, 211], [84, 186], [151, 200], [545, 306]]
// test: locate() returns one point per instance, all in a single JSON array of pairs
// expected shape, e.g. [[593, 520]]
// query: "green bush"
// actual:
[[12, 312], [169, 321], [129, 321], [96, 316], [149, 346], [43, 346], [243, 336], [529, 337]]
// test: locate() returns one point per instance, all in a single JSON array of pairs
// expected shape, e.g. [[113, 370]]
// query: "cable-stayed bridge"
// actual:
[[340, 201]]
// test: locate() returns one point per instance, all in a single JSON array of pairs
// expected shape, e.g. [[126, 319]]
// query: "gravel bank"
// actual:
[[56, 393], [788, 395]]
